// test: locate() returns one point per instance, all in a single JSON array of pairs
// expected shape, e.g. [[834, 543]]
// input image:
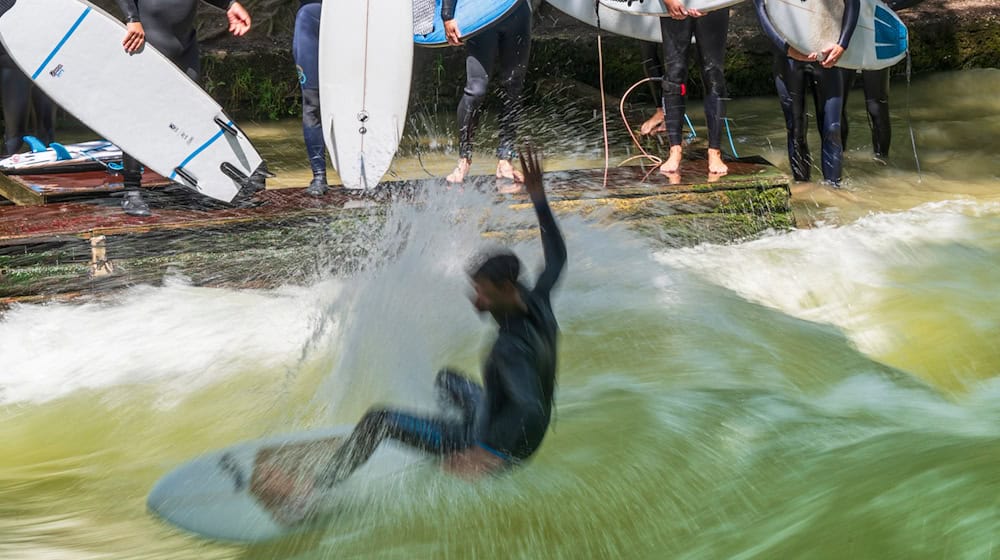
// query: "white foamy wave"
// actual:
[[837, 275], [176, 336]]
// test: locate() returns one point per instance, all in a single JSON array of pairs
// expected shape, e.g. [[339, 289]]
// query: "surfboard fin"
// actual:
[[230, 170], [35, 144], [61, 152], [187, 176], [228, 126]]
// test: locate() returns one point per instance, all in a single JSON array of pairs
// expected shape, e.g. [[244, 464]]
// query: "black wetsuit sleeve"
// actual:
[[221, 4], [852, 8], [769, 30], [522, 407], [448, 9], [130, 9], [553, 246]]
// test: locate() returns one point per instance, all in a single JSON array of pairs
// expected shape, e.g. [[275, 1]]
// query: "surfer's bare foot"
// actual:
[[653, 124], [461, 170], [506, 171], [715, 164], [673, 163], [673, 178]]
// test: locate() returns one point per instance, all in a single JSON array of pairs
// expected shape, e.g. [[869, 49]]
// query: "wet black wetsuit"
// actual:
[[169, 27], [791, 78], [507, 42], [652, 65], [305, 50], [875, 84], [19, 97], [510, 414], [710, 32]]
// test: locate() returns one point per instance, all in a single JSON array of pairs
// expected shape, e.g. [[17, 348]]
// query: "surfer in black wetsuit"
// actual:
[[709, 30], [875, 84], [501, 423], [167, 25], [19, 97], [508, 43], [305, 50], [792, 72]]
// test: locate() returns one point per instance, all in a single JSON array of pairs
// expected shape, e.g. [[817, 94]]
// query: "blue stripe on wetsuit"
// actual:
[[62, 42], [200, 149], [424, 429]]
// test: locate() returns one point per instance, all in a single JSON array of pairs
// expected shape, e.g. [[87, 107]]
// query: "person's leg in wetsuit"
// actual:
[[790, 80], [439, 436], [509, 44], [15, 91], [876, 86], [710, 33], [305, 50], [830, 86], [652, 65]]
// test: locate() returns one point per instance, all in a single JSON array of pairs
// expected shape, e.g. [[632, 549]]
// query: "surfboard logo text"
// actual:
[[57, 71]]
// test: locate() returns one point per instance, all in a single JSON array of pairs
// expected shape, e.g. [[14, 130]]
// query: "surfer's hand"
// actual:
[[239, 19], [531, 169], [695, 13], [799, 55], [452, 33], [830, 55], [135, 37], [676, 9], [472, 463]]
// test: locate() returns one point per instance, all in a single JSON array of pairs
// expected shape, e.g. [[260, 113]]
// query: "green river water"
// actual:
[[831, 392]]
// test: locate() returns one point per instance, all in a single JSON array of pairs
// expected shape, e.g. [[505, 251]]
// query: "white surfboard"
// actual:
[[365, 62], [658, 9], [142, 102], [879, 41], [211, 495], [58, 158], [612, 21]]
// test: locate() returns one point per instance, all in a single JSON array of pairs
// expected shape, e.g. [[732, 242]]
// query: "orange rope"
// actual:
[[621, 107]]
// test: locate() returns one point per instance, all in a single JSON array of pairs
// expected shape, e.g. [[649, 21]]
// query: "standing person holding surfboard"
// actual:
[[709, 30], [791, 75], [305, 51], [875, 84], [19, 97], [507, 44], [502, 423], [168, 25]]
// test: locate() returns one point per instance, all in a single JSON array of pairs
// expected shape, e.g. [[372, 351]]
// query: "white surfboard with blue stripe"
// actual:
[[473, 16], [879, 41], [142, 103]]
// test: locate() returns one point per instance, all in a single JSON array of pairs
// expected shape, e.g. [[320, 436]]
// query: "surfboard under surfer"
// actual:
[[500, 424]]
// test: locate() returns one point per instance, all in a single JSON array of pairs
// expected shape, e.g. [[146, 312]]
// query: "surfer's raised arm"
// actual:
[[553, 245]]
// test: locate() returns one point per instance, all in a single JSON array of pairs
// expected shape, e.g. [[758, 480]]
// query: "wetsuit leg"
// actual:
[[652, 65], [790, 81], [513, 50], [15, 90], [433, 435], [676, 42], [305, 50], [481, 54], [710, 33], [876, 84], [460, 391], [830, 83]]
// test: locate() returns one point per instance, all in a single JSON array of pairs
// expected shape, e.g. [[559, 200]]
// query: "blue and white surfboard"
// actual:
[[473, 16]]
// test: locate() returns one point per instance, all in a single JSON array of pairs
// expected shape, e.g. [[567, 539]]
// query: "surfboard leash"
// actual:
[[909, 119], [604, 111]]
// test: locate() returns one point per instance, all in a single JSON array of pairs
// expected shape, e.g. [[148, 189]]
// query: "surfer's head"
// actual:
[[494, 278]]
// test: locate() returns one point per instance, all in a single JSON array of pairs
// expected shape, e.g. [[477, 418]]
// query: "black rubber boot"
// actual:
[[133, 203], [318, 186]]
